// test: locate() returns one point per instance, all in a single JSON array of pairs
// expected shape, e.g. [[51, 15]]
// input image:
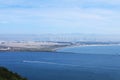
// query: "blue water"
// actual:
[[80, 65], [93, 49]]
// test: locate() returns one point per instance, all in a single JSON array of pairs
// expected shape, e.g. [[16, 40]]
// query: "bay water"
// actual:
[[77, 63]]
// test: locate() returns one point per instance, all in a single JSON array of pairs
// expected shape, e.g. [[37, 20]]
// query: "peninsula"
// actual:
[[31, 45], [39, 46]]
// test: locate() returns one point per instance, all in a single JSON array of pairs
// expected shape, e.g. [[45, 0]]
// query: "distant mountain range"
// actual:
[[60, 37]]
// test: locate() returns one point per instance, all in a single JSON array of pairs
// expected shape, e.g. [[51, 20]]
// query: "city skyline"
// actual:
[[59, 16]]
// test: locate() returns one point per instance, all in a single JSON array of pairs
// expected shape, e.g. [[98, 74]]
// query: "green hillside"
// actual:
[[5, 74]]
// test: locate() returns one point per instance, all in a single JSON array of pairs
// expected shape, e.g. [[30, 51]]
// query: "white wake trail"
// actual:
[[52, 63]]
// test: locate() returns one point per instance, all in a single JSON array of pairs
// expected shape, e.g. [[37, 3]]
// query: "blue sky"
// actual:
[[59, 16]]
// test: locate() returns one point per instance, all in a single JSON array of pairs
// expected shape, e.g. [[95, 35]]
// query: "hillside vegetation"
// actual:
[[5, 74]]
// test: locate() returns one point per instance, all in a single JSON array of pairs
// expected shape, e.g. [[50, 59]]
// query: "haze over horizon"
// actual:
[[60, 16], [59, 37]]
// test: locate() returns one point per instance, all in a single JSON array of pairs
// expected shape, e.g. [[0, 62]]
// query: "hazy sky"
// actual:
[[60, 16]]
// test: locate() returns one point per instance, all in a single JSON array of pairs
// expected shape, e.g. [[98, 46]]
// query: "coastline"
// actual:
[[75, 46], [55, 49], [46, 46]]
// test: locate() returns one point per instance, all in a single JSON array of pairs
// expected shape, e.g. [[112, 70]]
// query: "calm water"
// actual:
[[93, 64], [93, 49]]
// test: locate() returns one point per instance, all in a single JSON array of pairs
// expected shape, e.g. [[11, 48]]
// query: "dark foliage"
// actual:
[[5, 74]]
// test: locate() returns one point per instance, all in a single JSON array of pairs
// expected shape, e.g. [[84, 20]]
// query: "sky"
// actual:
[[59, 16]]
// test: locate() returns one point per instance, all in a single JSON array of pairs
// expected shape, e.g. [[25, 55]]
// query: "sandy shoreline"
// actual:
[[44, 46]]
